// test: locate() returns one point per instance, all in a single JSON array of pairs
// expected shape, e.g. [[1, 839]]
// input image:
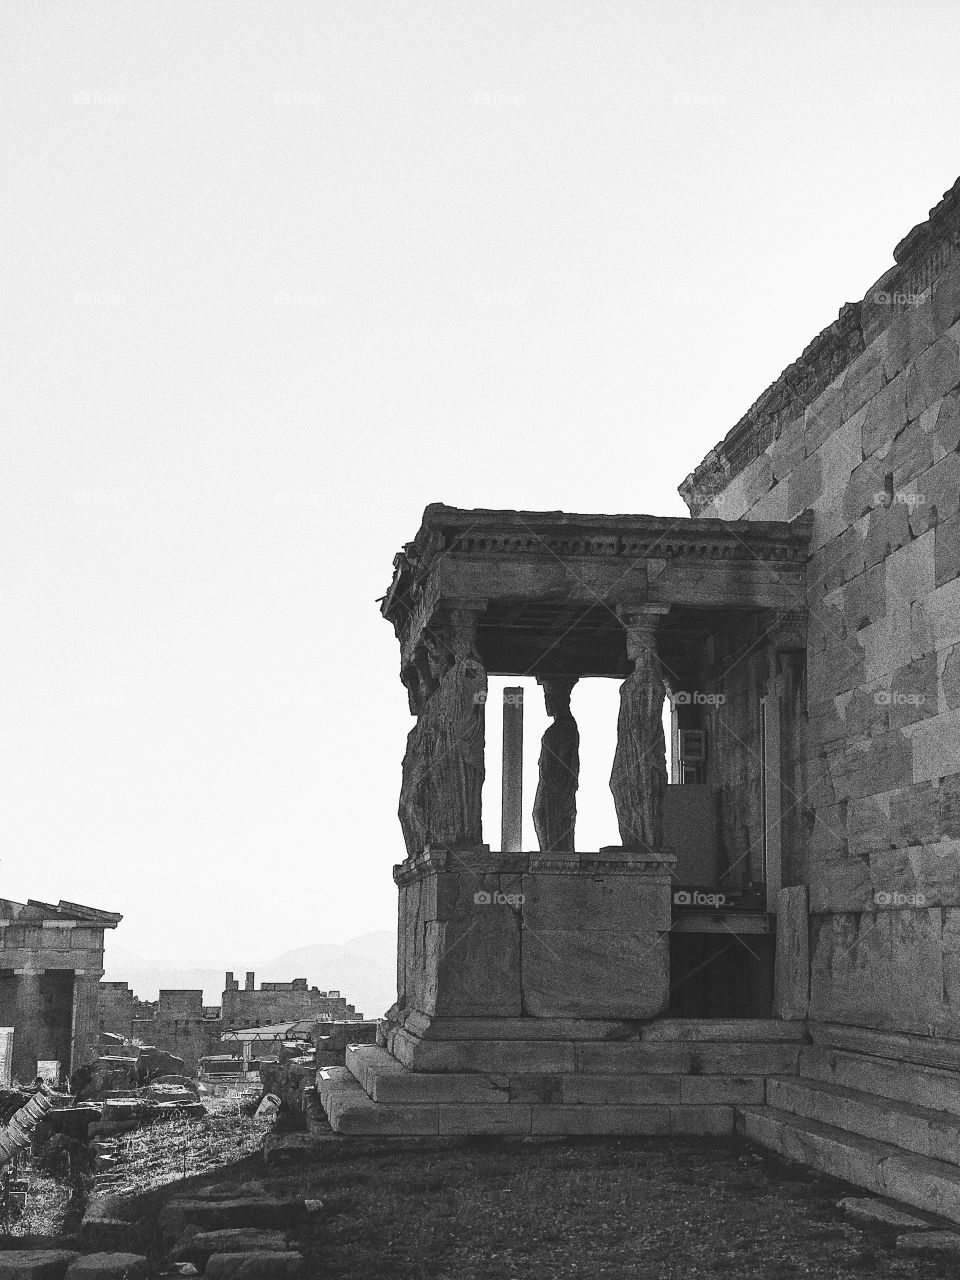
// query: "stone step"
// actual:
[[384, 1079], [743, 1030], [929, 1185], [926, 1086], [351, 1110], [924, 1050], [638, 1057], [905, 1125]]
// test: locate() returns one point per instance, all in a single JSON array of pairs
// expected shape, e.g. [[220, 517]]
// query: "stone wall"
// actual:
[[864, 431], [281, 1002], [180, 1022]]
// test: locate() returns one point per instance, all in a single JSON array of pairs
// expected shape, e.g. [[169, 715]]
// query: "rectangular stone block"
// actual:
[[632, 1090], [715, 1121], [600, 1120], [854, 1159], [566, 972], [507, 1057], [791, 989], [351, 1111], [745, 1060], [508, 1118], [924, 1185], [522, 1028], [419, 1088], [537, 1088], [706, 1090], [719, 1029], [638, 1057]]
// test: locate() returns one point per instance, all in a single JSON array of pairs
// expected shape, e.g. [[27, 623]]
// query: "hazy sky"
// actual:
[[275, 276]]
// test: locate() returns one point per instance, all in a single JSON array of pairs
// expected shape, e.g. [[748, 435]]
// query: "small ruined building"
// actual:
[[771, 942], [51, 963], [183, 1025]]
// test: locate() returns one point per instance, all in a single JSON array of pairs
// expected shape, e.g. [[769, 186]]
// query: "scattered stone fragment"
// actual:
[[870, 1211], [35, 1264], [254, 1266], [199, 1246], [930, 1244], [214, 1215], [108, 1266]]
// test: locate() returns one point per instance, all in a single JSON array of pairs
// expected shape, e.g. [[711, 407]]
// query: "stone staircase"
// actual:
[[880, 1111], [678, 1076]]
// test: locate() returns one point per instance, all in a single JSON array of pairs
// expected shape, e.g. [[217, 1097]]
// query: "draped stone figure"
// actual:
[[413, 811], [455, 741], [421, 679], [555, 805], [639, 775]]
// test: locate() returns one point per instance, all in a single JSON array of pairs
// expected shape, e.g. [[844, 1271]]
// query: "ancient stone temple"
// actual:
[[51, 963], [771, 944]]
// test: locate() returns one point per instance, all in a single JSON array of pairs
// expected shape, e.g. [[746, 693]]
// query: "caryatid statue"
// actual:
[[555, 805], [420, 683], [638, 779], [454, 731]]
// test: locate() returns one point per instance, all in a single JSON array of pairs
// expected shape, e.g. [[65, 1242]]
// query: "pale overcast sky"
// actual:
[[278, 274]]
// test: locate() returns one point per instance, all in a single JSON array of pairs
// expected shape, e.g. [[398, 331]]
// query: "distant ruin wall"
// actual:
[[864, 430]]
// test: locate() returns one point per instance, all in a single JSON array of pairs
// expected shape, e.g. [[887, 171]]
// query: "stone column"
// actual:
[[86, 1019], [639, 775], [555, 806], [511, 789]]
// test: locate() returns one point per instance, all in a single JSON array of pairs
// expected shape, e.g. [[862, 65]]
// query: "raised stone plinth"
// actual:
[[665, 1082], [486, 935]]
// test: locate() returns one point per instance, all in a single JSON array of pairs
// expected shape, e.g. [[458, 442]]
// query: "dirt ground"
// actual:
[[552, 1209]]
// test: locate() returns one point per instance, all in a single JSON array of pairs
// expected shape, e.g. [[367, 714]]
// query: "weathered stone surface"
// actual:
[[872, 1212], [717, 1030], [888, 529], [384, 1079], [35, 1264], [935, 746], [938, 368], [241, 1211], [108, 1266], [930, 1244], [510, 1118], [792, 965], [566, 972], [506, 1057], [723, 1089], [947, 549], [886, 415], [862, 381], [200, 1247], [713, 1120], [702, 1058], [940, 486], [255, 1266], [822, 418], [600, 1120], [633, 1090]]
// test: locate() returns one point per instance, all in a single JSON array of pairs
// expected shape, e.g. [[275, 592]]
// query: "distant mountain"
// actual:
[[363, 970]]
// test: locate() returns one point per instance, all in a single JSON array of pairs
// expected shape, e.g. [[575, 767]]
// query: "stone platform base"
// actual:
[[679, 1076]]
